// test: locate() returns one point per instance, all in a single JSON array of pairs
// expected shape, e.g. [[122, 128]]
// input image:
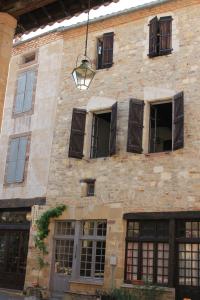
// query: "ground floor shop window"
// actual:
[[80, 248], [147, 252], [164, 252]]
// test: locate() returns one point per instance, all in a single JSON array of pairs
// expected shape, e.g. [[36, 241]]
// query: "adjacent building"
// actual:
[[122, 156]]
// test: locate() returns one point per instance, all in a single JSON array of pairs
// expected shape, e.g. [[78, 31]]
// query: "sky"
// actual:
[[102, 11]]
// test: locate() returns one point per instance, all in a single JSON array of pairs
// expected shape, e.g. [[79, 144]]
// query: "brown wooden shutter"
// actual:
[[153, 37], [165, 35], [113, 129], [135, 126], [77, 133], [178, 120], [107, 55]]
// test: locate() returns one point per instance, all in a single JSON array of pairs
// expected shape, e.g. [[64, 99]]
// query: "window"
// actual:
[[25, 91], [166, 125], [104, 130], [160, 36], [87, 238], [64, 247], [16, 159], [147, 251], [105, 51], [90, 188], [30, 57], [101, 135], [93, 246], [160, 138], [164, 251]]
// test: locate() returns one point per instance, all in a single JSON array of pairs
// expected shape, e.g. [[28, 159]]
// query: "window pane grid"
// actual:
[[64, 256], [189, 264], [132, 261], [147, 261], [162, 263], [65, 228], [86, 258], [100, 259]]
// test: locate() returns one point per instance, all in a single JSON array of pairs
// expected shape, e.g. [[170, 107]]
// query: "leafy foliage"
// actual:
[[43, 226]]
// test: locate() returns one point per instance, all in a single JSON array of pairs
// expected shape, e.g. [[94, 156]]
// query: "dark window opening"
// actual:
[[100, 146], [90, 188], [100, 53], [28, 58], [160, 127], [105, 51]]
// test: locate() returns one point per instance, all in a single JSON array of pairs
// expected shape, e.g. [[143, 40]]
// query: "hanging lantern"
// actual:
[[84, 73]]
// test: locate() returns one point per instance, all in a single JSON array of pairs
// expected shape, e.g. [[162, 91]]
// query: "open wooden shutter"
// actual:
[[135, 126], [30, 80], [165, 35], [153, 37], [107, 55], [113, 129], [77, 133], [178, 121], [21, 86]]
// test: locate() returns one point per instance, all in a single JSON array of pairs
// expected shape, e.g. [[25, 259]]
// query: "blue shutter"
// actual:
[[12, 160], [30, 80], [21, 86], [19, 175]]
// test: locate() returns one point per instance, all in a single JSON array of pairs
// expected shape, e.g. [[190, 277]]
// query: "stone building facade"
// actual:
[[132, 217]]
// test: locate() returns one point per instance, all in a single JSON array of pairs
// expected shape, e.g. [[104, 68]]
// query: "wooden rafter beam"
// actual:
[[20, 7]]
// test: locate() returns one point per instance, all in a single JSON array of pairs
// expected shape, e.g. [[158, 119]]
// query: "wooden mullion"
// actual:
[[172, 248], [139, 275], [155, 265]]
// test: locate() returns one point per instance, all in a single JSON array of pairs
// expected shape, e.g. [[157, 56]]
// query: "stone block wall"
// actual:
[[128, 182]]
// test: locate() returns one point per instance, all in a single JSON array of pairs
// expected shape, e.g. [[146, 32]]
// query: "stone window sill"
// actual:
[[85, 281], [160, 288]]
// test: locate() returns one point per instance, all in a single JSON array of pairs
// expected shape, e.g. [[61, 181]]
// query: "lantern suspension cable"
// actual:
[[84, 73], [87, 29]]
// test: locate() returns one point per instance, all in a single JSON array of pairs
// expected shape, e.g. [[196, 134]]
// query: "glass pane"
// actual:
[[88, 228], [147, 262], [162, 269], [132, 261], [86, 258], [15, 217], [101, 228], [64, 256], [65, 228], [100, 259], [189, 263]]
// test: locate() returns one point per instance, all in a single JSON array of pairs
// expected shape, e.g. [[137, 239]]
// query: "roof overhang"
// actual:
[[32, 15]]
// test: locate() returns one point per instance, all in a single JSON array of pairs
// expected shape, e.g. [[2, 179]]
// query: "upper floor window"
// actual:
[[166, 125], [25, 91], [16, 159], [103, 142], [160, 36], [105, 51]]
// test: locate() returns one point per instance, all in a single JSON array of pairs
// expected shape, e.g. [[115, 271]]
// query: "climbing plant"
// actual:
[[42, 232], [43, 226]]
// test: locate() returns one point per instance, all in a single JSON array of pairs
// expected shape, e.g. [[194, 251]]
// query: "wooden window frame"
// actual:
[[23, 183], [173, 219], [78, 237]]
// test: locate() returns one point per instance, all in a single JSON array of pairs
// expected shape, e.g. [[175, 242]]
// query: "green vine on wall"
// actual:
[[43, 226]]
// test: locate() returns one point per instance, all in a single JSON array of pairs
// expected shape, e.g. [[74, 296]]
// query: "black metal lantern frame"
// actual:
[[84, 73]]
